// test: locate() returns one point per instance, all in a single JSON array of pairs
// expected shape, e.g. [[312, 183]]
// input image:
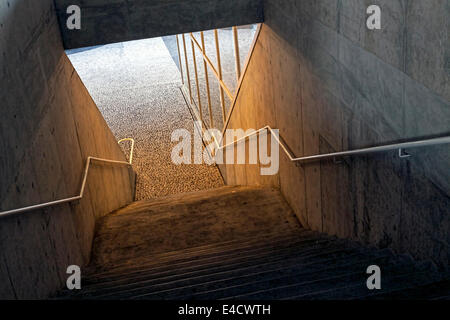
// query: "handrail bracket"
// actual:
[[402, 154]]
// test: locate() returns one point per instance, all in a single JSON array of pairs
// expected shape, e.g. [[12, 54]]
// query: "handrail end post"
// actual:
[[402, 154]]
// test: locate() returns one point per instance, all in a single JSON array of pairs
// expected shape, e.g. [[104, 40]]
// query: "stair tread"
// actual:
[[220, 264], [209, 282], [236, 268], [230, 216], [170, 200], [321, 287], [391, 285], [200, 251], [237, 243], [214, 260]]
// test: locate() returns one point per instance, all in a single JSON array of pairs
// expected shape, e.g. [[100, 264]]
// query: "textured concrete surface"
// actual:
[[49, 125], [238, 243], [105, 22], [329, 84], [199, 218], [136, 87]]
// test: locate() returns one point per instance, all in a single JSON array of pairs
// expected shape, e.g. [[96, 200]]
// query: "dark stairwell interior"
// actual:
[[237, 243], [308, 232]]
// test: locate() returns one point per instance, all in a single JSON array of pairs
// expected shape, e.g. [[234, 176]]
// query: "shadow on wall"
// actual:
[[72, 51], [49, 126], [340, 93]]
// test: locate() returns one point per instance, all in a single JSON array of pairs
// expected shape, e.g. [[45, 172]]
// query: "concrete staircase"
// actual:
[[238, 243]]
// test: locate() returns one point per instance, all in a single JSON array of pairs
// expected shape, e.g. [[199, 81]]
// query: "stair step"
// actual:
[[321, 257], [241, 215], [143, 205], [201, 251], [238, 243], [200, 276], [304, 286], [394, 282], [196, 267], [199, 260], [210, 261], [287, 269]]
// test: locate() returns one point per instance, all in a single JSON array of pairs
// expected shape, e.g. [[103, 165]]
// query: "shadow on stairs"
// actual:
[[238, 243]]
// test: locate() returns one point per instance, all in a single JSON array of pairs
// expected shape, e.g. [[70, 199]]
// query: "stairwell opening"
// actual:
[[140, 89]]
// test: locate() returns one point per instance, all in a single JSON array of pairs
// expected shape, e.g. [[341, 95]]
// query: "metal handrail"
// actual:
[[217, 72], [388, 147], [131, 149], [83, 184], [211, 65]]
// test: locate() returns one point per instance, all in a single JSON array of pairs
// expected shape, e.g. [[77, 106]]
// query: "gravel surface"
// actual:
[[136, 87]]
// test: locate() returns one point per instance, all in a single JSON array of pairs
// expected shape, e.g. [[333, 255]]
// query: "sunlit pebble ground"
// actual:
[[136, 87]]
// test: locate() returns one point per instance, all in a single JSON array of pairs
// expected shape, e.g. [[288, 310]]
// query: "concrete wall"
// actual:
[[106, 21], [49, 125], [329, 84]]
